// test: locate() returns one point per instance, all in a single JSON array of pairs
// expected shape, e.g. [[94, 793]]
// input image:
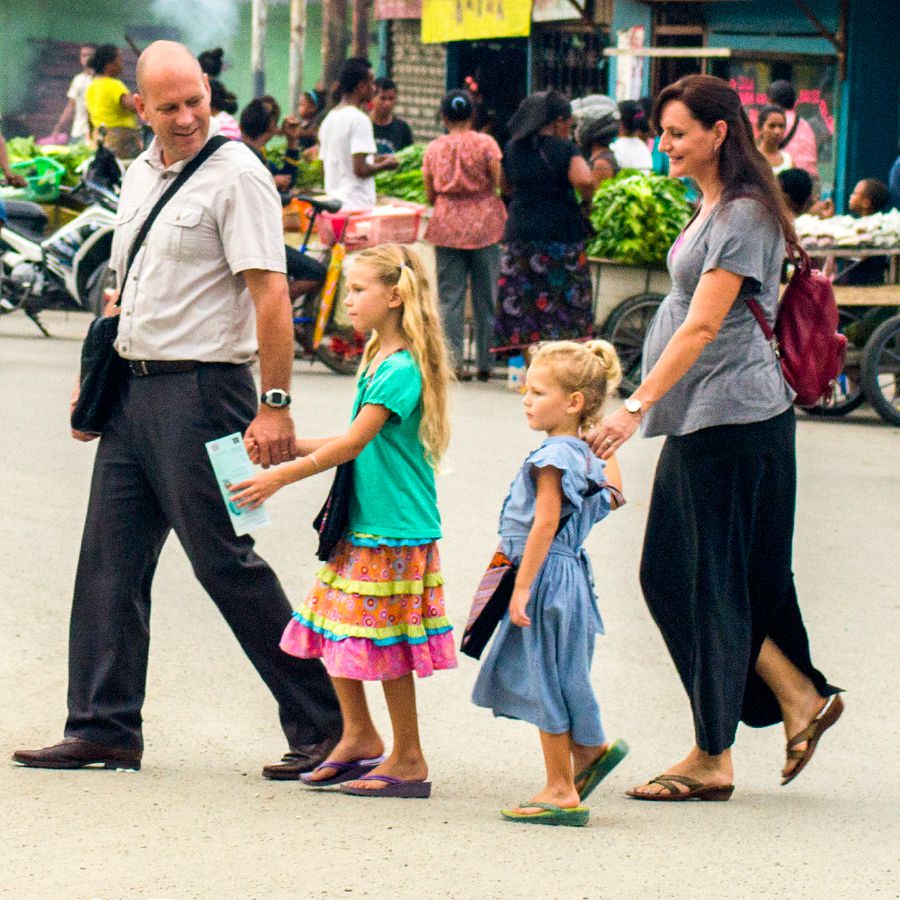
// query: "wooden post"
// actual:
[[335, 39], [295, 58], [361, 28], [260, 20]]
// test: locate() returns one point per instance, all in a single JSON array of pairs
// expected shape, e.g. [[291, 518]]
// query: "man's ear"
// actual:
[[140, 108]]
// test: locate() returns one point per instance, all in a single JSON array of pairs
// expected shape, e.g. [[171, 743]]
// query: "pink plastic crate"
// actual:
[[367, 228]]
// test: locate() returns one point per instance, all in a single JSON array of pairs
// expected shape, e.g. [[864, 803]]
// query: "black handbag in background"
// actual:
[[102, 369]]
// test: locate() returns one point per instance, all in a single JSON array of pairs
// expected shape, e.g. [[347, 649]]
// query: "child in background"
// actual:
[[538, 668], [376, 611]]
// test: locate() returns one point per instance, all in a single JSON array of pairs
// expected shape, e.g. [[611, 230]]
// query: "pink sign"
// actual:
[[398, 9]]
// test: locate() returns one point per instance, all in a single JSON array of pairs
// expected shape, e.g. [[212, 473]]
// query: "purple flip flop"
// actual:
[[393, 787], [346, 771]]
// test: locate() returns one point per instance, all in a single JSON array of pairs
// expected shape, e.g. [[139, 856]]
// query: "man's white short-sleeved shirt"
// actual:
[[185, 297], [347, 130], [77, 90]]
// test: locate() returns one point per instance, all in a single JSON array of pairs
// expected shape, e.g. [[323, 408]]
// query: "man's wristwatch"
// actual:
[[633, 405], [276, 399]]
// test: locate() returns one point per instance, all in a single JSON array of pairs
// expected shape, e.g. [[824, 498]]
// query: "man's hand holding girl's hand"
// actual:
[[255, 491], [517, 605]]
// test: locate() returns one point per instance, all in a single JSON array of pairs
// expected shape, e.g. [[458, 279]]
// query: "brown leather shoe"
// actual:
[[299, 760], [74, 753]]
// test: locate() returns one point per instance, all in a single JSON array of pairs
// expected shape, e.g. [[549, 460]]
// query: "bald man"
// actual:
[[206, 292]]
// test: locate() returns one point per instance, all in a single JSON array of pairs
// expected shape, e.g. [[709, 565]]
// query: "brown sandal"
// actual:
[[695, 790], [828, 715]]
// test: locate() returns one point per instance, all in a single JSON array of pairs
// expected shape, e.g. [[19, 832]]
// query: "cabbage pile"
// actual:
[[840, 232]]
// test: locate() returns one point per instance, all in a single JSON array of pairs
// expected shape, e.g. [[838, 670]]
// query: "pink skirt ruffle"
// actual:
[[363, 660]]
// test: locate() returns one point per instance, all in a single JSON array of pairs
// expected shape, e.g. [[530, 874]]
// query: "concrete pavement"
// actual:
[[200, 822]]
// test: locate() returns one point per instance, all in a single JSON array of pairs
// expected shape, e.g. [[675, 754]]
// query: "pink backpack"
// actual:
[[806, 338]]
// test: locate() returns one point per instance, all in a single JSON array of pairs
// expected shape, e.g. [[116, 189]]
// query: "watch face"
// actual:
[[276, 398], [632, 405]]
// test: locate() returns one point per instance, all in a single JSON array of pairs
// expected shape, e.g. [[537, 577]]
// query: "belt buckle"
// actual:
[[142, 365]]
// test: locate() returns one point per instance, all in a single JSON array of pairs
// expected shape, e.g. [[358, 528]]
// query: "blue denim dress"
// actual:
[[542, 674]]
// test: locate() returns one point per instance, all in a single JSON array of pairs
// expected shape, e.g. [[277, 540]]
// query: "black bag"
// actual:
[[102, 369], [334, 516]]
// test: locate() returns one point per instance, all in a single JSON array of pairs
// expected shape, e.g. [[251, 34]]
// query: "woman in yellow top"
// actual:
[[110, 103]]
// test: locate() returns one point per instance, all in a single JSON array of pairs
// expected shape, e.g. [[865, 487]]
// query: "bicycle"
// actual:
[[318, 333]]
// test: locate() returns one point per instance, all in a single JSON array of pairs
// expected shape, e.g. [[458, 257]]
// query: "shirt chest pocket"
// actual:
[[185, 234]]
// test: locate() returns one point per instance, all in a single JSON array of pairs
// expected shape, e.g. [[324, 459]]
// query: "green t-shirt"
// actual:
[[394, 494]]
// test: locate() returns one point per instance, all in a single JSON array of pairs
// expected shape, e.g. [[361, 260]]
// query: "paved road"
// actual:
[[200, 822]]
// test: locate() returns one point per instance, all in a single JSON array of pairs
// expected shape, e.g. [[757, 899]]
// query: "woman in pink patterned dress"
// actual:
[[462, 176]]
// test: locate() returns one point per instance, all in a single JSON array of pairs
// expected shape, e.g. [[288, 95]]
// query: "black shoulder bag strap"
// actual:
[[205, 153], [790, 135]]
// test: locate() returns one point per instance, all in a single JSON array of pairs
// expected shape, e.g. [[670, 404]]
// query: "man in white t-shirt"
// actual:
[[76, 108], [347, 141]]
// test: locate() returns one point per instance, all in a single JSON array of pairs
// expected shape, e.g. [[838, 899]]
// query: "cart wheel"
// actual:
[[881, 370], [847, 393], [625, 330]]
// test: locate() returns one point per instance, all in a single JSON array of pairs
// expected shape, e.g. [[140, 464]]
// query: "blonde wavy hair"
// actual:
[[592, 369], [397, 266]]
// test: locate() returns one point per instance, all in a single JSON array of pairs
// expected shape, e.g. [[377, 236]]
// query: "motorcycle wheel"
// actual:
[[101, 278], [341, 350], [625, 329]]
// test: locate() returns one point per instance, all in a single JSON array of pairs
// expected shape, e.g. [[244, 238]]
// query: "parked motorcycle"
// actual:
[[74, 259]]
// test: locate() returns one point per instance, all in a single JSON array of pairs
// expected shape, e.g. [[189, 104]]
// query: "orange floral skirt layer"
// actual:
[[376, 612]]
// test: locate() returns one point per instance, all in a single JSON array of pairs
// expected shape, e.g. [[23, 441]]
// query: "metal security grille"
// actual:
[[569, 60]]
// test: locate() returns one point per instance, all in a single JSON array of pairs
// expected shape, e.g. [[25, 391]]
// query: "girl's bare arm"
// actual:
[[548, 508]]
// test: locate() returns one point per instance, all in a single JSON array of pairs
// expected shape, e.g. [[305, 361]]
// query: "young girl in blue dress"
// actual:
[[376, 611], [538, 668]]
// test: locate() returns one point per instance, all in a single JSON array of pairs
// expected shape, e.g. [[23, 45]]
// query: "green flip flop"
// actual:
[[549, 815], [601, 767]]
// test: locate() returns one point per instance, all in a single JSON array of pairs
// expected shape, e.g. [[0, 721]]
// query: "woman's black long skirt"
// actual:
[[716, 570]]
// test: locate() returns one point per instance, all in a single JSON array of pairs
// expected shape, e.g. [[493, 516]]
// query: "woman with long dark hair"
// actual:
[[544, 285], [716, 567]]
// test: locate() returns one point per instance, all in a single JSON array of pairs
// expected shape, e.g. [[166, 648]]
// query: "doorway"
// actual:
[[496, 72]]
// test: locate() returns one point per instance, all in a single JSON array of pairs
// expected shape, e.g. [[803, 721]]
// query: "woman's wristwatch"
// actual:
[[635, 406]]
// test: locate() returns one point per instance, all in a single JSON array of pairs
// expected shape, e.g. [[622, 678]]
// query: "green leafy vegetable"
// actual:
[[637, 218], [24, 148], [404, 182]]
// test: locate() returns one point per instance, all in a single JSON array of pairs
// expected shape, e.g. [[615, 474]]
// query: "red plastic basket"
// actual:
[[370, 227]]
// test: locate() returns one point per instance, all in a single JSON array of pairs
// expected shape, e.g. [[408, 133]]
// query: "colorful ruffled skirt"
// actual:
[[376, 612]]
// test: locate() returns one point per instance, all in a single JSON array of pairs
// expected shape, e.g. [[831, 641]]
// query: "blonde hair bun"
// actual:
[[609, 359]]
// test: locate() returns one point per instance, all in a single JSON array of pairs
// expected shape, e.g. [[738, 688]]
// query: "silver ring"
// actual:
[[609, 440]]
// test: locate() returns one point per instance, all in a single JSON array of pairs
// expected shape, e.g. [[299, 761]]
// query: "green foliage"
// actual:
[[405, 182], [637, 218], [310, 175], [21, 149]]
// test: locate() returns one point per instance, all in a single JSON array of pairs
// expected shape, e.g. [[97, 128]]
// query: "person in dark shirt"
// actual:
[[259, 124], [391, 134]]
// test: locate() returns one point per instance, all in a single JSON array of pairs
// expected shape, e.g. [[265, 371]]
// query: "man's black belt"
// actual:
[[141, 367]]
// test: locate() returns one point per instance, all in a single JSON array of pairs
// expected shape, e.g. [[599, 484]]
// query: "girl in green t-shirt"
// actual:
[[376, 611]]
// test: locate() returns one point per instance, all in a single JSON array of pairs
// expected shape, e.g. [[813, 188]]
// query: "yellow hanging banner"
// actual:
[[473, 20]]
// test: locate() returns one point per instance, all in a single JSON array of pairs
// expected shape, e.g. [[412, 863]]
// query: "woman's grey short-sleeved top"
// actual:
[[737, 378]]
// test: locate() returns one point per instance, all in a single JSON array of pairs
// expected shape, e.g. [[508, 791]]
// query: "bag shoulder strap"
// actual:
[[790, 135], [206, 151]]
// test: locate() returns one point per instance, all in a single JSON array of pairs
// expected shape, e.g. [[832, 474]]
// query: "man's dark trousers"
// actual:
[[152, 475]]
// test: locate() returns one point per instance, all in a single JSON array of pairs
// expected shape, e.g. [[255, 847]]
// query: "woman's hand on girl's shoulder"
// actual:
[[517, 604]]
